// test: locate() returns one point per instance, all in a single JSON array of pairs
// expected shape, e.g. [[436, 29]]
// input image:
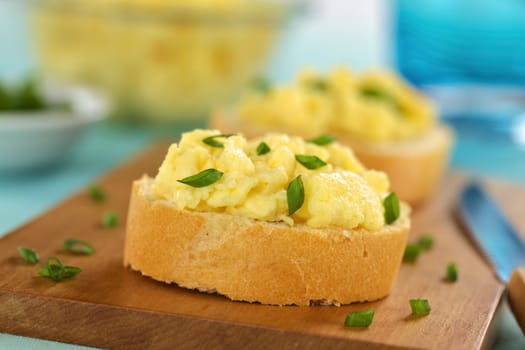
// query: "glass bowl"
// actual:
[[33, 140], [157, 60]]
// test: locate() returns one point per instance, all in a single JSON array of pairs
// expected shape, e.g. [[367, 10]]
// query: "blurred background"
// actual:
[[170, 64], [85, 84], [145, 57]]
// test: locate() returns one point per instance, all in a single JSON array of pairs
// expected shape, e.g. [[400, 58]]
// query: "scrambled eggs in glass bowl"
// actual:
[[163, 60]]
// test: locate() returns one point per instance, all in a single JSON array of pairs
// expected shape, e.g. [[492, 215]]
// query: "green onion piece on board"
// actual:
[[70, 271], [412, 252], [452, 272], [29, 255], [76, 246], [420, 307], [96, 193], [57, 271], [426, 242], [359, 318], [109, 219]]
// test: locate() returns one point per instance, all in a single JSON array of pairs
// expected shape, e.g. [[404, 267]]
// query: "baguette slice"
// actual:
[[259, 261], [414, 167]]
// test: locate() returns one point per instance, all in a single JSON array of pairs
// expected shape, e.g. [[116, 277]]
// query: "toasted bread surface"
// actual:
[[259, 261]]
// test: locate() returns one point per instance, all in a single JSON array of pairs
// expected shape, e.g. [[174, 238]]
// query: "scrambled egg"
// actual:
[[341, 193], [201, 6], [375, 106], [157, 59]]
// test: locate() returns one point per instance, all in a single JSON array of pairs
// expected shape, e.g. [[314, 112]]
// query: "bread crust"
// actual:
[[414, 167], [258, 261]]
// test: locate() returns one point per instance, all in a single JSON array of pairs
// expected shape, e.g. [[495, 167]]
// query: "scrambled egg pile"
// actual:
[[375, 106], [207, 4], [156, 59], [341, 193]]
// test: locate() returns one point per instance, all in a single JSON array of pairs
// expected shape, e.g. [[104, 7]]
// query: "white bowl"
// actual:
[[31, 140]]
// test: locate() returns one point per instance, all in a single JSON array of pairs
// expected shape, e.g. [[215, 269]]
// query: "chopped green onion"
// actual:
[[359, 318], [392, 208], [322, 140], [53, 269], [76, 246], [5, 99], [426, 242], [411, 252], [28, 97], [295, 195], [310, 162], [420, 307], [262, 148], [452, 272], [202, 179], [318, 85], [70, 271], [96, 193], [57, 271], [211, 140], [261, 84], [109, 219], [373, 92], [29, 255]]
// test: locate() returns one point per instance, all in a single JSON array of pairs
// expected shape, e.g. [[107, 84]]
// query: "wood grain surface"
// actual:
[[109, 306]]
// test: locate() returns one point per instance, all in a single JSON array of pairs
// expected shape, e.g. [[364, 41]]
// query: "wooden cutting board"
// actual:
[[110, 306]]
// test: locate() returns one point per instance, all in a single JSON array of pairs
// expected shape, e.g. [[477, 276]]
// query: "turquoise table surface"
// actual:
[[108, 144]]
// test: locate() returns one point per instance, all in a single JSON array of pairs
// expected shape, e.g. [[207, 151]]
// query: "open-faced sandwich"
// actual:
[[275, 219], [389, 125]]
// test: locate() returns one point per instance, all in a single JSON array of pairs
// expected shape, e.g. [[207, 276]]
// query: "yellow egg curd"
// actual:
[[158, 59], [254, 184], [374, 106]]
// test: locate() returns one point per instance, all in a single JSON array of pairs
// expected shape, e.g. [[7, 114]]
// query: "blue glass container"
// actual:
[[469, 56], [461, 41]]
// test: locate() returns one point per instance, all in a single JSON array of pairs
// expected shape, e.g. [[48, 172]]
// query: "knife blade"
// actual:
[[501, 243]]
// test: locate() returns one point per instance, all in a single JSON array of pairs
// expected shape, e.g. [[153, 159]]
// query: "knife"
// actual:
[[494, 235]]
